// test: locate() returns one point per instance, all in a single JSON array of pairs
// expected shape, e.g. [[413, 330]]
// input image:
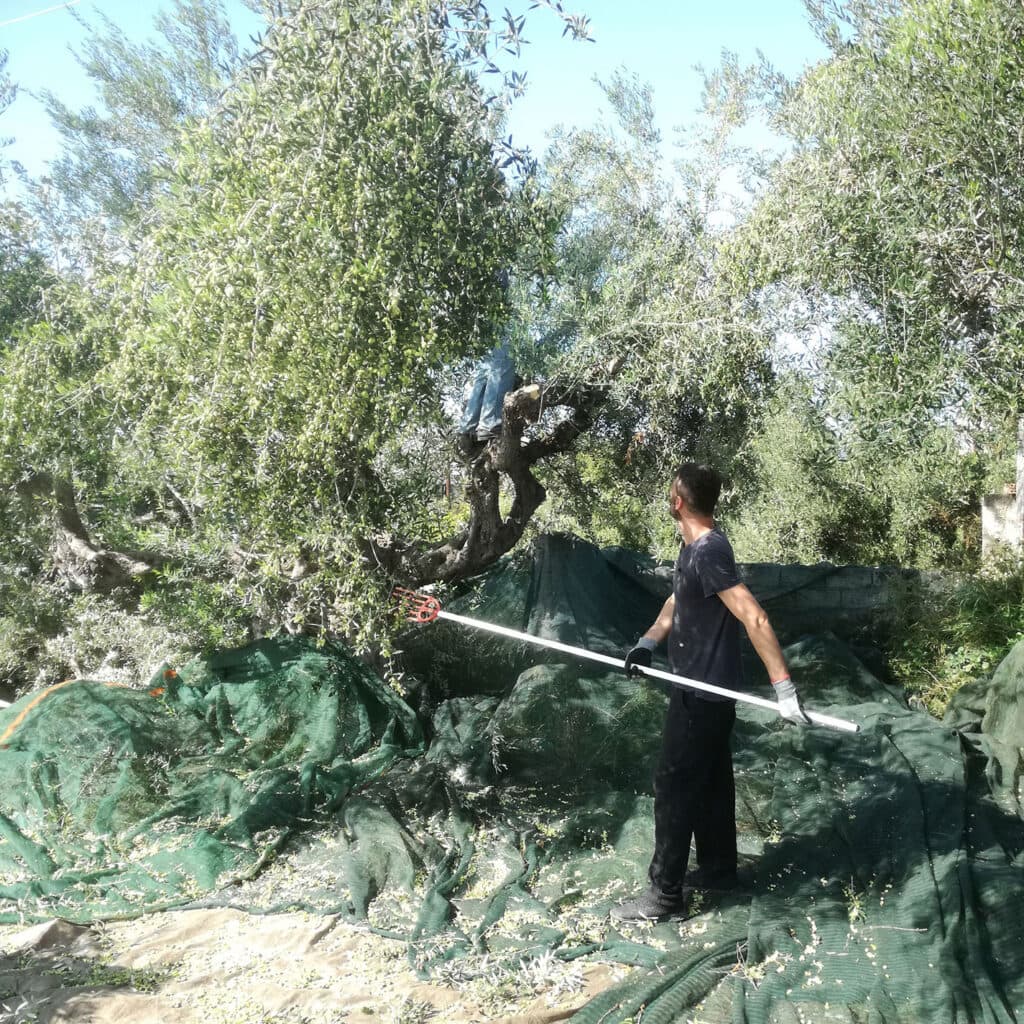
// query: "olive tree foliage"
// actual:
[[95, 200], [68, 515], [894, 227], [17, 272], [904, 197], [8, 92], [239, 418], [638, 305], [23, 273], [819, 493], [45, 431]]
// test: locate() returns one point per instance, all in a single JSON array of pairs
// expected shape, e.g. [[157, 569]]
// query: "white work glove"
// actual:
[[789, 702]]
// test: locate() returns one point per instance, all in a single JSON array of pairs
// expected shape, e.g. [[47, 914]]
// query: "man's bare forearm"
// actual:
[[766, 643], [663, 623]]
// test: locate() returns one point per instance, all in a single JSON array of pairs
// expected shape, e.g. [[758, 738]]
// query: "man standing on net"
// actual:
[[694, 792]]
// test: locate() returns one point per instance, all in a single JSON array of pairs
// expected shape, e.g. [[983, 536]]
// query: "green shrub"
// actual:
[[947, 635]]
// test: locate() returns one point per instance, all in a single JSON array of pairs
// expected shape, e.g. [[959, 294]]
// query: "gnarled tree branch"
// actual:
[[489, 535], [76, 557]]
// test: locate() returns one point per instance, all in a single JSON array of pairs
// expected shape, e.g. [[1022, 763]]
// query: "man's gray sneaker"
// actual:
[[653, 905]]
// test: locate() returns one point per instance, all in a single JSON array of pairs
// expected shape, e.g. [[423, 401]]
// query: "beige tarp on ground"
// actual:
[[228, 967]]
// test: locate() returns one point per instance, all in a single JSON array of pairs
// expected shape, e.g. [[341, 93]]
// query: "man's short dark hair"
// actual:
[[699, 485]]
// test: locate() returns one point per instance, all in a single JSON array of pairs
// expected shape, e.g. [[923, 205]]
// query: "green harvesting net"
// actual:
[[497, 815], [117, 800]]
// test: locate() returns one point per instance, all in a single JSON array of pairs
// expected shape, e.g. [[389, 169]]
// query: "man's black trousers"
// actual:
[[694, 792]]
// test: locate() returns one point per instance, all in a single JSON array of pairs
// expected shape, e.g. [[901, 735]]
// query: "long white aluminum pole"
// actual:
[[655, 673]]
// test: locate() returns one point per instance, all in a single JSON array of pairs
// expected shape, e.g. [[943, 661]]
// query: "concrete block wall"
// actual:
[[1002, 515], [846, 599], [1001, 523], [842, 598]]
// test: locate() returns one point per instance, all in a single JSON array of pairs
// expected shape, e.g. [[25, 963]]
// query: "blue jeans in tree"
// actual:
[[485, 393]]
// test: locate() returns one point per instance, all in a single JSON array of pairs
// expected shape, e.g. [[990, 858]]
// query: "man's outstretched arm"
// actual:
[[742, 603]]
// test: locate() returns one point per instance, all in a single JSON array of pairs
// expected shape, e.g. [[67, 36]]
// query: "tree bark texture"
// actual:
[[85, 566], [489, 535]]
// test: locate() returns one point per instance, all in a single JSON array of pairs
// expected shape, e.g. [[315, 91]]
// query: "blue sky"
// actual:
[[660, 40], [39, 57]]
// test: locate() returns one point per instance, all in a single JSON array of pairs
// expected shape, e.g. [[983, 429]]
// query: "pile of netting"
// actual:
[[500, 810], [115, 800]]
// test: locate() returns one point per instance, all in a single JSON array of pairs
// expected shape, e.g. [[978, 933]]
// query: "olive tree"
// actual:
[[245, 394], [639, 303], [889, 238], [902, 198]]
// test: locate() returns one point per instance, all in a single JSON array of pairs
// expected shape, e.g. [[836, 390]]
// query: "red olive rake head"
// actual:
[[417, 607]]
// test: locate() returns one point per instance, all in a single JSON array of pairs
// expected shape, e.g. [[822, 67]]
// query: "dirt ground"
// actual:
[[229, 967]]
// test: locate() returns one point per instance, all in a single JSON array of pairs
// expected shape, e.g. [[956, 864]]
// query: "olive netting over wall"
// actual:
[[505, 807]]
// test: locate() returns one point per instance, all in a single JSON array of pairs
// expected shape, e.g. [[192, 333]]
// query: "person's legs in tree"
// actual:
[[500, 376], [473, 399]]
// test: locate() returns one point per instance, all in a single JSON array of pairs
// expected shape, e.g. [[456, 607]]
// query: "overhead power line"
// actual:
[[37, 14]]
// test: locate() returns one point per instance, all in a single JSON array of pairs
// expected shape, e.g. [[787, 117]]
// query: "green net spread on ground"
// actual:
[[494, 826], [116, 800]]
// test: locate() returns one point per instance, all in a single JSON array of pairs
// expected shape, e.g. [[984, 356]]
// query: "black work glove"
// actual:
[[640, 654]]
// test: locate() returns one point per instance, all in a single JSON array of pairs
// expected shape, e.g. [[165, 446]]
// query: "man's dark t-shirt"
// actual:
[[704, 643]]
